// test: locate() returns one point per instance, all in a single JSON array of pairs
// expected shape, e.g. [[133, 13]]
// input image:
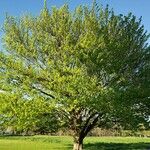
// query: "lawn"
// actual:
[[65, 143]]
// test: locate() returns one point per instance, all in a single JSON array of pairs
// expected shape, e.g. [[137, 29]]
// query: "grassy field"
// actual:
[[65, 143]]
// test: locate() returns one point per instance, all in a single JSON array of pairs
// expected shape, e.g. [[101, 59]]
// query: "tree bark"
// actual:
[[81, 128], [78, 143], [78, 146]]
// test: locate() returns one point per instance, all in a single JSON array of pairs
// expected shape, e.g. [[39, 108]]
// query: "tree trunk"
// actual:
[[82, 127], [78, 144]]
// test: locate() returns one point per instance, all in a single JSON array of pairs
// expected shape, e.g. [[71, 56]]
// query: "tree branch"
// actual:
[[43, 92]]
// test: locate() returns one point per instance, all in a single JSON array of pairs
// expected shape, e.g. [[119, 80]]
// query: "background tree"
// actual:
[[91, 65]]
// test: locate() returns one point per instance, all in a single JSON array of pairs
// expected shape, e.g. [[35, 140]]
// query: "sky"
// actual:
[[20, 7]]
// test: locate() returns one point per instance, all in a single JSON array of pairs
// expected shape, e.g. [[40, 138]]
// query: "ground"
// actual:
[[65, 143]]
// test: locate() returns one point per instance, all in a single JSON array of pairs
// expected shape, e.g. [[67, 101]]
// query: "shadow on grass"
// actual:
[[117, 146]]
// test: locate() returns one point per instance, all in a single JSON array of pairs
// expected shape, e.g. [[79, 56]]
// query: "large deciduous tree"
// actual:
[[91, 65]]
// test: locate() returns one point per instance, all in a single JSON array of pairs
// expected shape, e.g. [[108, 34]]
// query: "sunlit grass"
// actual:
[[65, 143]]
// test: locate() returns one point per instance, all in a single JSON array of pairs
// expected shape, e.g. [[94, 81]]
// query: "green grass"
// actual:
[[65, 143]]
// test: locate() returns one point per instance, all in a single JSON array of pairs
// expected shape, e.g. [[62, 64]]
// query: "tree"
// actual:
[[91, 65]]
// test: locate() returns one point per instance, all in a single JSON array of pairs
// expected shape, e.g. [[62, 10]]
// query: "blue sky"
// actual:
[[20, 7]]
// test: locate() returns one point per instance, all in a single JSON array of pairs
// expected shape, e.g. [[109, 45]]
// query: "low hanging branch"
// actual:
[[43, 92]]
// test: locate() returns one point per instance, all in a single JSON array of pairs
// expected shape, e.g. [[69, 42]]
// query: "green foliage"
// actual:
[[48, 123], [90, 64], [21, 113]]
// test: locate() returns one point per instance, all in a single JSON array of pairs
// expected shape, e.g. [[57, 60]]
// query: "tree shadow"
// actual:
[[117, 146]]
